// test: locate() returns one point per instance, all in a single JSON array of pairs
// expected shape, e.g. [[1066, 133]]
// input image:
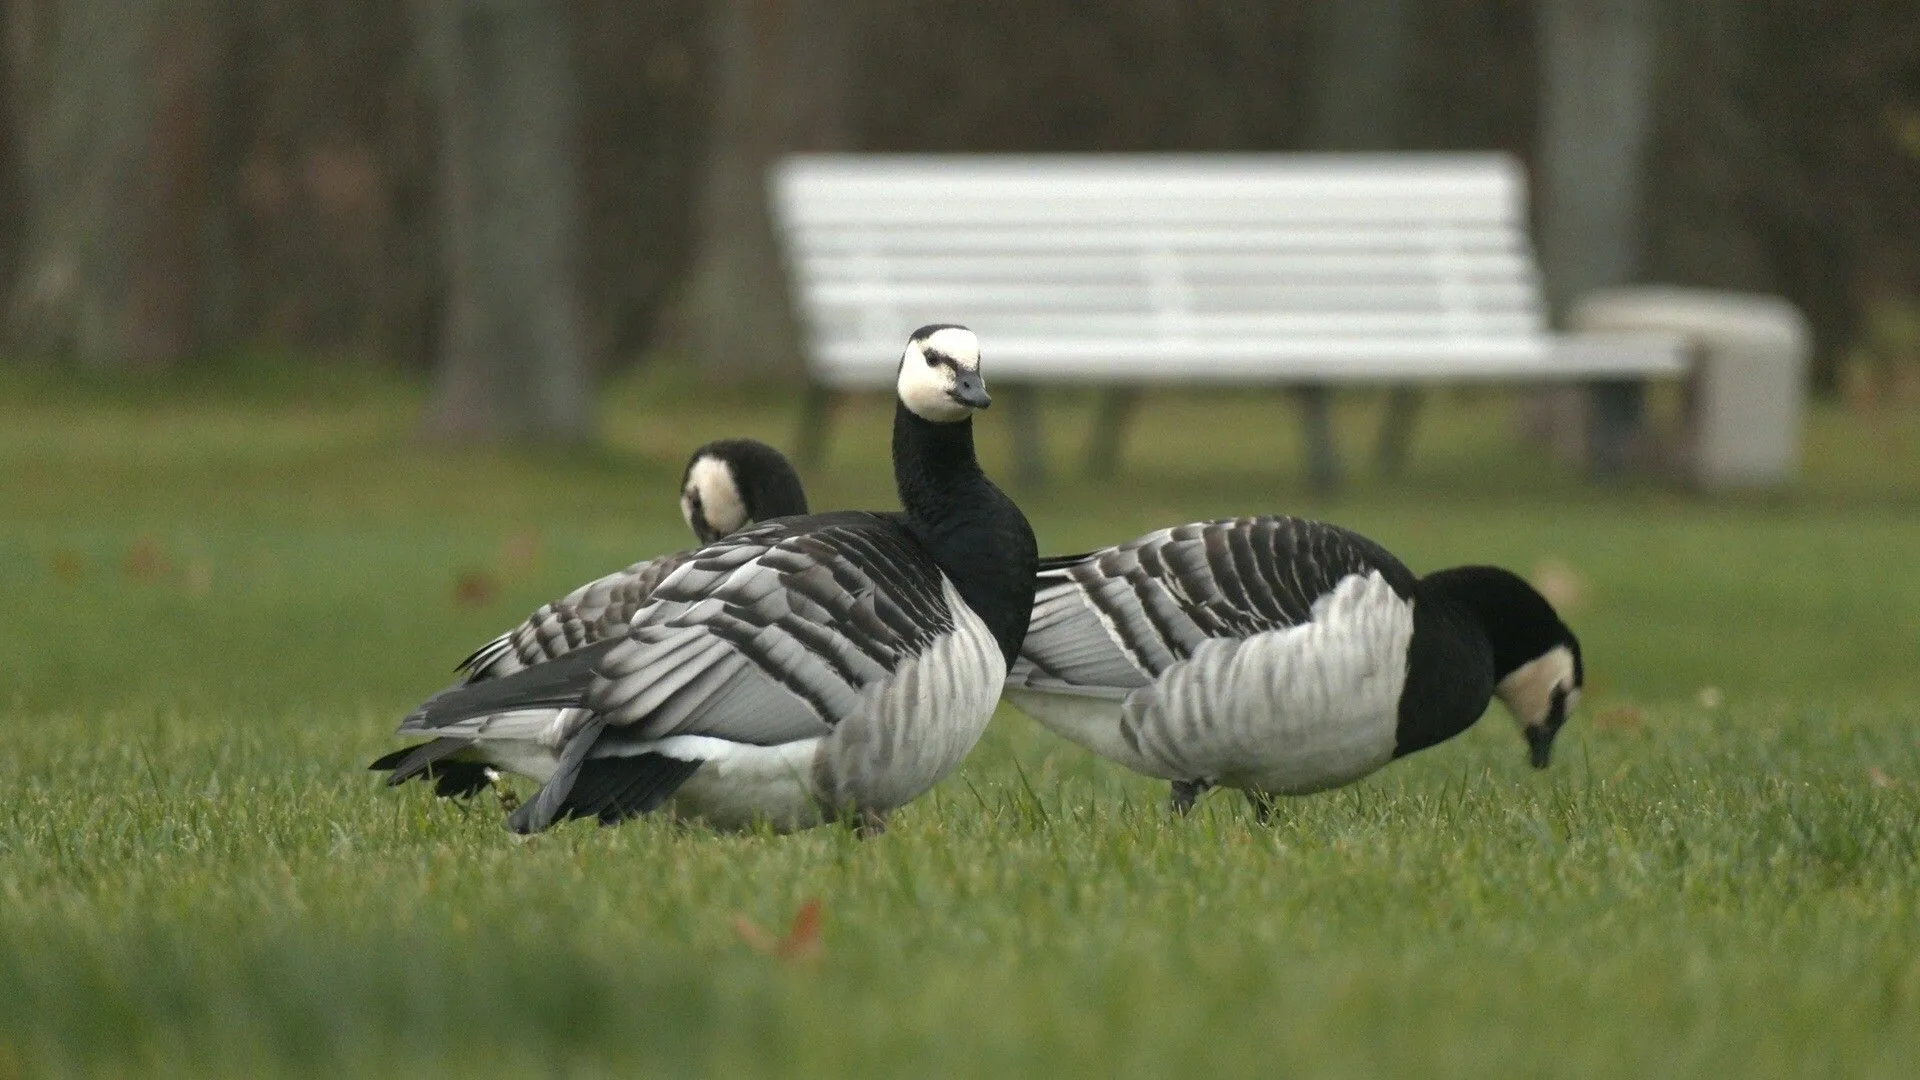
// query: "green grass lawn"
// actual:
[[215, 605]]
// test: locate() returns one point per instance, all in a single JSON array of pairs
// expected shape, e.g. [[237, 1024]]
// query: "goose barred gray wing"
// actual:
[[769, 638], [596, 610], [1113, 620]]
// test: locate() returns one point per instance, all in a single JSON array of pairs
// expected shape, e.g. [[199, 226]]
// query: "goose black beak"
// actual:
[[1540, 745], [1540, 735], [970, 390]]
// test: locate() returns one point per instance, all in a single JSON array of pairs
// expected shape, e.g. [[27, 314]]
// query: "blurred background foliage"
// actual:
[[288, 150]]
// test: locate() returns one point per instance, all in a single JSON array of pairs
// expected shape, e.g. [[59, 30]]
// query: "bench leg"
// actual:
[[1109, 419], [1323, 461], [1396, 430], [816, 412], [1615, 414], [1023, 419]]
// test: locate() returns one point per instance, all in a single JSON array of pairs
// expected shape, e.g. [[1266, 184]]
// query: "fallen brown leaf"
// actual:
[[1879, 778], [146, 561], [802, 939], [473, 588], [1621, 718]]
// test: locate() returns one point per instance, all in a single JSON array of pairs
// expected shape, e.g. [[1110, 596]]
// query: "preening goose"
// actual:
[[727, 485], [1282, 656], [803, 670]]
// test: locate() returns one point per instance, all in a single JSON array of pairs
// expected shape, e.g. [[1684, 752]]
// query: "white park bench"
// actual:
[[1124, 271]]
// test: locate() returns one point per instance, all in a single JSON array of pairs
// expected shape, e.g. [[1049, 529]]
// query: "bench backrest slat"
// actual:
[[1292, 256]]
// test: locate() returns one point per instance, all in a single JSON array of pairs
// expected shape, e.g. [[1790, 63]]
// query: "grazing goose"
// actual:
[[802, 670], [1282, 656], [727, 484]]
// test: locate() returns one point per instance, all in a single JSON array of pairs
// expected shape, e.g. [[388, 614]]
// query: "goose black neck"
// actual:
[[976, 535], [932, 464], [1450, 668]]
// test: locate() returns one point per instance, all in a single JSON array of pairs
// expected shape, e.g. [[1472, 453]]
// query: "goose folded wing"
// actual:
[[773, 636], [597, 610], [767, 637], [1113, 620]]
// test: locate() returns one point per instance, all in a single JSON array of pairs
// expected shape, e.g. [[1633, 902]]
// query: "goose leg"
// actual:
[[1262, 804], [1184, 794], [509, 799], [871, 823]]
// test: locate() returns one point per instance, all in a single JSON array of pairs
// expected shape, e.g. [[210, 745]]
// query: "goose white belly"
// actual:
[[738, 785], [1287, 711]]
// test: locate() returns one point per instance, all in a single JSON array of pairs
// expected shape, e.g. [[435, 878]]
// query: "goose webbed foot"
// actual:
[[1184, 794], [868, 824], [509, 798]]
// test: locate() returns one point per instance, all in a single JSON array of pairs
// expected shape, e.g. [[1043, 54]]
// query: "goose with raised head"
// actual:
[[727, 485], [804, 670], [1283, 656]]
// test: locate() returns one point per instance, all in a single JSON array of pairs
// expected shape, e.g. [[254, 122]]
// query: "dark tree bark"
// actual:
[[1597, 69], [11, 221], [780, 83], [1362, 54], [326, 234], [109, 101], [1596, 110], [1361, 50], [644, 125], [512, 361]]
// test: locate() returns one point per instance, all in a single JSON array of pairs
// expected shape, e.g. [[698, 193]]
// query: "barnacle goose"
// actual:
[[1282, 656], [802, 670], [727, 484]]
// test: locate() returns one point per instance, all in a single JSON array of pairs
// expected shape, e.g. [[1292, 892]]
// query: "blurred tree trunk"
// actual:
[[1361, 50], [513, 362], [11, 223], [110, 102], [1596, 68], [1596, 111], [780, 81]]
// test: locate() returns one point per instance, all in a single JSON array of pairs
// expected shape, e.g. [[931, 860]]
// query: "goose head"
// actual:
[[1537, 670], [731, 483], [939, 379]]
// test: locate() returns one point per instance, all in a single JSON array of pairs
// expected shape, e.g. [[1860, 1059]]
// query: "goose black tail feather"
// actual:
[[613, 789], [450, 778], [610, 789], [559, 683]]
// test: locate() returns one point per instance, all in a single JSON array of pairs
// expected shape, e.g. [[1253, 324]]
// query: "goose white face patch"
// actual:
[[712, 491], [930, 369], [1528, 690]]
